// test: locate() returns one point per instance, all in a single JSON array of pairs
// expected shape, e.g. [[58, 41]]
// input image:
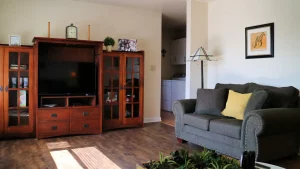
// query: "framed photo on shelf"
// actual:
[[14, 40], [259, 41], [127, 45]]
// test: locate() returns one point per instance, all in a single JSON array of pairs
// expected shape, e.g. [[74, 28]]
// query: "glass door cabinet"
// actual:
[[122, 89], [17, 90]]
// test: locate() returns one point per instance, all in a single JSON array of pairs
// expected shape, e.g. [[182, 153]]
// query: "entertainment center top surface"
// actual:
[[66, 41]]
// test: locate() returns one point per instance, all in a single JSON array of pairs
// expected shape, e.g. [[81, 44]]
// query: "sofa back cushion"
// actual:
[[240, 88], [257, 100], [278, 96], [211, 101]]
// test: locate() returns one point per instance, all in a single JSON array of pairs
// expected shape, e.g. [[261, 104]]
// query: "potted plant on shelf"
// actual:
[[109, 43]]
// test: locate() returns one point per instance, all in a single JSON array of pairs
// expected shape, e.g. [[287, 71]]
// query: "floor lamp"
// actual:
[[201, 55]]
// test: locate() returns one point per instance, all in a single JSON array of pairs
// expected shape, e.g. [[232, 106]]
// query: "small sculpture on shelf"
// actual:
[[128, 114], [130, 98], [112, 97]]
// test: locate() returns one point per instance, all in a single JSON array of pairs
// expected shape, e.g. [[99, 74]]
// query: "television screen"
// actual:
[[67, 78]]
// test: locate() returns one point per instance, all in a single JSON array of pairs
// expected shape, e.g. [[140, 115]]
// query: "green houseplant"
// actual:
[[109, 42], [182, 159]]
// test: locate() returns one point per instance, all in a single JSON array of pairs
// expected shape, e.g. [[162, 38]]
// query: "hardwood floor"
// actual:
[[112, 150], [168, 118]]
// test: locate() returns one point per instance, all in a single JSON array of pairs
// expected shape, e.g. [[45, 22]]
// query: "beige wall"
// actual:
[[29, 18], [226, 38], [196, 37]]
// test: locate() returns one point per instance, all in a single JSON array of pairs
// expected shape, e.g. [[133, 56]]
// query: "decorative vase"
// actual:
[[109, 48]]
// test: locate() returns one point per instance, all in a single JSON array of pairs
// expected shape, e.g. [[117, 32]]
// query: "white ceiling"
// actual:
[[174, 11]]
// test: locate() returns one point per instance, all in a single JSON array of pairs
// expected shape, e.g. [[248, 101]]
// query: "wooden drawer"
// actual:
[[53, 115], [85, 113], [85, 125], [53, 127]]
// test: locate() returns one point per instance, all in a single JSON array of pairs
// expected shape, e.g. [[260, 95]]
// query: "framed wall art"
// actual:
[[260, 41]]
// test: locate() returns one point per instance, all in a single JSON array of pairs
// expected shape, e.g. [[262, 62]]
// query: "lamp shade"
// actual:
[[200, 54]]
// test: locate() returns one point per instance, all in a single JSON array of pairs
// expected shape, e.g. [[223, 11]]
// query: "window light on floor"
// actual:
[[90, 157]]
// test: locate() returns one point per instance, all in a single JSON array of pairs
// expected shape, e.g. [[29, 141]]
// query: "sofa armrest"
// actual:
[[266, 122], [181, 107], [272, 121]]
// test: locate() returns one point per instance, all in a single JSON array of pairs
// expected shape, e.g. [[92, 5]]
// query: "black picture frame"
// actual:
[[271, 55]]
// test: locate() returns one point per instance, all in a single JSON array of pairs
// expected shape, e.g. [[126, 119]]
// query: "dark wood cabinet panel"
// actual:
[[85, 114], [1, 91], [84, 125], [72, 114], [17, 90], [123, 89], [117, 103], [53, 127], [53, 115]]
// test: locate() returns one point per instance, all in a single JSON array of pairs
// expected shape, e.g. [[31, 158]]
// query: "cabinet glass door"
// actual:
[[111, 90], [132, 90], [17, 98]]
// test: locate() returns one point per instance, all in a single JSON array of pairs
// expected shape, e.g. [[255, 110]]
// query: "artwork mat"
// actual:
[[269, 52], [259, 52]]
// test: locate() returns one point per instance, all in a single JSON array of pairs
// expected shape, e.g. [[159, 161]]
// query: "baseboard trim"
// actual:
[[152, 120]]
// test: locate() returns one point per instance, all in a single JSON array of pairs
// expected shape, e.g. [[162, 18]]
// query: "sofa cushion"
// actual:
[[211, 101], [236, 105], [214, 138], [227, 127], [257, 100], [240, 88], [199, 120], [279, 97]]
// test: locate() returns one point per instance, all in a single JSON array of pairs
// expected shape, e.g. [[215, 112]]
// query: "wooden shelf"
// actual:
[[13, 108], [18, 70], [18, 89], [116, 88], [129, 73], [68, 101], [132, 102], [117, 103], [112, 71], [64, 97]]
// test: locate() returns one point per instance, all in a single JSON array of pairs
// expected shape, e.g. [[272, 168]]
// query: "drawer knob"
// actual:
[[54, 115], [86, 125], [54, 127], [85, 113]]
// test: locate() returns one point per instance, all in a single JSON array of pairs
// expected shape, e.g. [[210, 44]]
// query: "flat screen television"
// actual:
[[66, 78]]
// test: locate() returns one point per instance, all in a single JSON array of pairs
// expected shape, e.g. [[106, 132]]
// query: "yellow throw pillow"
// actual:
[[236, 104]]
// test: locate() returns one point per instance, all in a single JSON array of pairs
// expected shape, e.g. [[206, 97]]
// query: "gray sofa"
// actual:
[[272, 132]]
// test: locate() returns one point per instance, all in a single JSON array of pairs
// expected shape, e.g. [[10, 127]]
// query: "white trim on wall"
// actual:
[[152, 120]]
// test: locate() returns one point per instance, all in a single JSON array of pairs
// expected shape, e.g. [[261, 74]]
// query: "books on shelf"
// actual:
[[23, 98], [15, 66]]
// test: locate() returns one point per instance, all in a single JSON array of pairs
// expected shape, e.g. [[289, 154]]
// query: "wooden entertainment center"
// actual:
[[25, 111]]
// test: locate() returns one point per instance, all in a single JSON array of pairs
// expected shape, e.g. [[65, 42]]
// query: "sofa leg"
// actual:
[[181, 140]]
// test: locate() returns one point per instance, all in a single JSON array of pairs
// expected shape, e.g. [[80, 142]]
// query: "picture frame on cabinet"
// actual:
[[14, 40], [127, 45]]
